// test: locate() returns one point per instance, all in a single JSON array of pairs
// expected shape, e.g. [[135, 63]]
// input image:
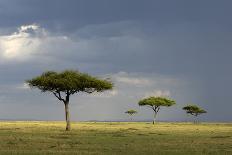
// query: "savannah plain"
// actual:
[[113, 138]]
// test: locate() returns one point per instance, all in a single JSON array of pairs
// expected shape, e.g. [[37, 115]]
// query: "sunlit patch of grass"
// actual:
[[115, 138]]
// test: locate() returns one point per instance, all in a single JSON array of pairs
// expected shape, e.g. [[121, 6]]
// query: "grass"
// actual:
[[115, 138]]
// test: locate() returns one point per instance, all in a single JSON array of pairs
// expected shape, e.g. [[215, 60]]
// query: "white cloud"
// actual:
[[158, 93], [26, 42], [123, 77], [134, 81], [23, 86], [139, 85], [19, 44], [25, 28]]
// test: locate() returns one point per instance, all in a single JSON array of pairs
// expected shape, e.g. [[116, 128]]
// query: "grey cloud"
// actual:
[[185, 40], [70, 15]]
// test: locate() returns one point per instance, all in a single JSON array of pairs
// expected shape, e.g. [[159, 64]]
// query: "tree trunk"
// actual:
[[67, 117], [195, 120], [154, 119]]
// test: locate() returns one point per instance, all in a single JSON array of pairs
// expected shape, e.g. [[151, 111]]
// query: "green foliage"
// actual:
[[194, 110], [157, 102], [69, 81], [131, 112]]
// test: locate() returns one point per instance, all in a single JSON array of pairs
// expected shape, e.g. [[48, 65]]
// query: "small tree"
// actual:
[[66, 83], [131, 112], [155, 103], [194, 110]]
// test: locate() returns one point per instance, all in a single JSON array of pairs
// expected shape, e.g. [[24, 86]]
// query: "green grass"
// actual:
[[115, 138]]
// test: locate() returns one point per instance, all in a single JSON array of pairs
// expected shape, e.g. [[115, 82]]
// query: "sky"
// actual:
[[175, 48]]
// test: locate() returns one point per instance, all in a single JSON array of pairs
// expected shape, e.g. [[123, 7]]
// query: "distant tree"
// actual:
[[66, 83], [194, 110], [155, 103], [131, 112]]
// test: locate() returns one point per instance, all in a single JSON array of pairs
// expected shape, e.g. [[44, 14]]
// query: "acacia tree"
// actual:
[[66, 83], [194, 110], [155, 103], [131, 112]]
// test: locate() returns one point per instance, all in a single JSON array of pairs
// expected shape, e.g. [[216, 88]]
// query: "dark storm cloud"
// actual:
[[185, 40], [70, 15]]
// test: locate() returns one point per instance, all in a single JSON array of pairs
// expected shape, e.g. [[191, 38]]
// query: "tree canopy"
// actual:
[[69, 81], [131, 112], [194, 110], [156, 102]]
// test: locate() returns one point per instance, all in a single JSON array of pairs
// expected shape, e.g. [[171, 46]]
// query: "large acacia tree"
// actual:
[[66, 83], [155, 103]]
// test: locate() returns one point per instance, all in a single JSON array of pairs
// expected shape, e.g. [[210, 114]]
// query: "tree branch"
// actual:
[[57, 95], [149, 106], [73, 91], [155, 108], [158, 108], [90, 90]]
